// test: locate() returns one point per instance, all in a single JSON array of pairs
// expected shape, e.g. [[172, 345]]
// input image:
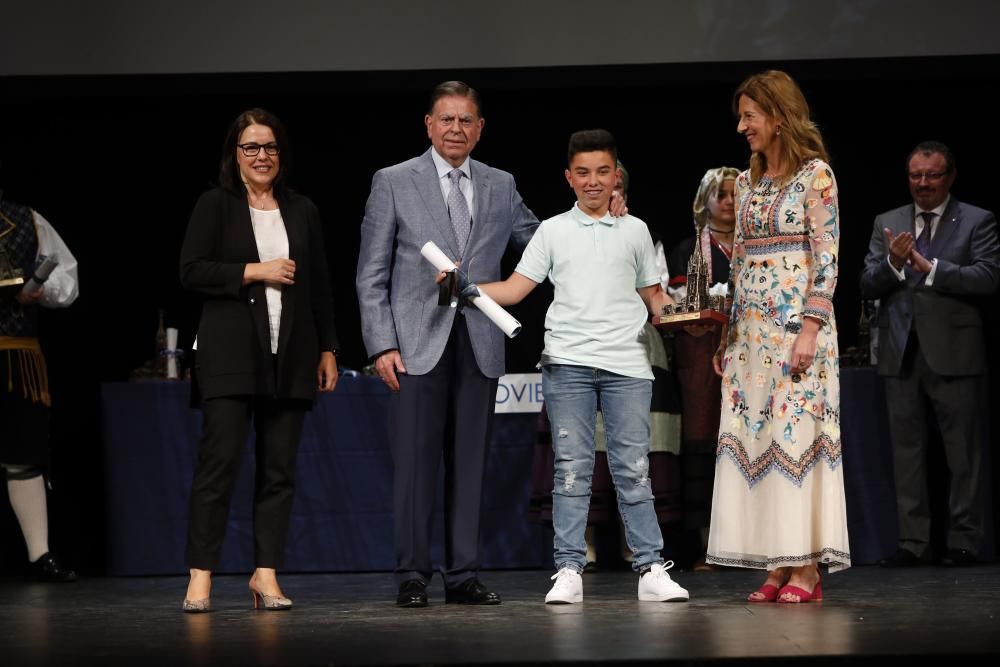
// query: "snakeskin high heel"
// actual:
[[269, 602], [196, 606]]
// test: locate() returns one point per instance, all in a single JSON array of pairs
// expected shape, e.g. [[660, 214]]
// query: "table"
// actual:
[[342, 514]]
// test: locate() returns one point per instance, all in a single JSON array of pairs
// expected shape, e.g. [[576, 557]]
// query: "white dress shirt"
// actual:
[[63, 284], [443, 169], [661, 266]]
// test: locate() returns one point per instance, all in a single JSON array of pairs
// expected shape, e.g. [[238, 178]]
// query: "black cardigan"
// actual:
[[234, 341]]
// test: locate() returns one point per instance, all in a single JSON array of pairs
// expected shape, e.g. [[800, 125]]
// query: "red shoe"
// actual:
[[804, 596], [768, 591]]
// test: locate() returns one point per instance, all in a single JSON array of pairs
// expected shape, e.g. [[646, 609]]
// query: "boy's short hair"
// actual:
[[588, 141]]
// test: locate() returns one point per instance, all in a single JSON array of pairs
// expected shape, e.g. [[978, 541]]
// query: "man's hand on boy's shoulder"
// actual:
[[617, 207]]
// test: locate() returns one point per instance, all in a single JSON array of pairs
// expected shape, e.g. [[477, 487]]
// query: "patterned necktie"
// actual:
[[924, 240], [458, 209]]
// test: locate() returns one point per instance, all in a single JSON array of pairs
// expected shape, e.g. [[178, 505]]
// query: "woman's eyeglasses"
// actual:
[[253, 150]]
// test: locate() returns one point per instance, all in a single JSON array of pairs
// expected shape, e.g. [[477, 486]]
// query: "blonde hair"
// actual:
[[710, 184], [780, 97]]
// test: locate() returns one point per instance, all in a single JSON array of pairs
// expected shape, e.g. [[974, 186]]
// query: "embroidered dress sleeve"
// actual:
[[822, 225]]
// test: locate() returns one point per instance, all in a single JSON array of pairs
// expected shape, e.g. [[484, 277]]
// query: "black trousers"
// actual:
[[446, 413], [278, 424]]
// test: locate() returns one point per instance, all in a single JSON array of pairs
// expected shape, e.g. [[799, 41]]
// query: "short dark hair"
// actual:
[[229, 173], [930, 147], [588, 141], [455, 89]]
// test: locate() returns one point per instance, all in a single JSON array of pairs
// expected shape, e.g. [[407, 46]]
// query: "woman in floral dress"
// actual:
[[778, 502]]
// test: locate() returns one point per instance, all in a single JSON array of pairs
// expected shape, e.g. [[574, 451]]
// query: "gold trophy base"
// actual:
[[11, 282], [704, 318]]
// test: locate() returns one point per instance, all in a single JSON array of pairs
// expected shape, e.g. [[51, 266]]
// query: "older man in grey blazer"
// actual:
[[441, 363], [929, 263]]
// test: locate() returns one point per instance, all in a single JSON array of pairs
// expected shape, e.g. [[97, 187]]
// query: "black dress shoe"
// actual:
[[412, 593], [958, 558], [471, 591], [902, 558], [47, 568]]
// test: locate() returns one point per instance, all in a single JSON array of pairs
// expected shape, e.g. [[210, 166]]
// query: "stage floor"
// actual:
[[868, 615]]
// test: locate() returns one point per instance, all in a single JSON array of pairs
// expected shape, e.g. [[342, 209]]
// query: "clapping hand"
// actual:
[[903, 251]]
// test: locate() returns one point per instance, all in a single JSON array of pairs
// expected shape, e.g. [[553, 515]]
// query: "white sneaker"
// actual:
[[657, 586], [567, 589]]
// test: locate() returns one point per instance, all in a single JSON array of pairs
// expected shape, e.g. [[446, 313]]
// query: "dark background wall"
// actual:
[[54, 37], [115, 146]]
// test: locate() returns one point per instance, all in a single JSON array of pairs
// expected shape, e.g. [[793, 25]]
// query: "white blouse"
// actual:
[[272, 243]]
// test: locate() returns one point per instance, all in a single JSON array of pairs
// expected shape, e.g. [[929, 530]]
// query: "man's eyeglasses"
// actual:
[[253, 150], [931, 176]]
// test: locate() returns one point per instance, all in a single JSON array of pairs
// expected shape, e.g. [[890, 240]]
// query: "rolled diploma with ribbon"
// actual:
[[171, 353], [485, 304], [40, 275]]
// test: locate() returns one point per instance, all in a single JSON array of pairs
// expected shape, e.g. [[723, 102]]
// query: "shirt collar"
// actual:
[[585, 219], [444, 168], [938, 212]]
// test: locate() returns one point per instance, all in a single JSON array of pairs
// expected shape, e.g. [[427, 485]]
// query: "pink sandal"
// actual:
[[768, 591], [804, 596]]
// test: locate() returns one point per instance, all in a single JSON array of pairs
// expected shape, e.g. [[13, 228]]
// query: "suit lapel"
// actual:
[[240, 216], [949, 222], [426, 180], [294, 231], [906, 224], [481, 204]]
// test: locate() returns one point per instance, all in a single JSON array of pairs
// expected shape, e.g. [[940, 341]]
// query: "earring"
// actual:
[[777, 132]]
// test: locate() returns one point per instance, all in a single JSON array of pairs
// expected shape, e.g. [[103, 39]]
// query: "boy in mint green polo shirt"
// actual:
[[606, 285]]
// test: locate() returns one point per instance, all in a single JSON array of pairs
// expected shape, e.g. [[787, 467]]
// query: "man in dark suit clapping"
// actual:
[[929, 263]]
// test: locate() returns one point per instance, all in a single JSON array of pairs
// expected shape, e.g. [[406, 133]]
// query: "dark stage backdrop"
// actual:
[[116, 163], [99, 37]]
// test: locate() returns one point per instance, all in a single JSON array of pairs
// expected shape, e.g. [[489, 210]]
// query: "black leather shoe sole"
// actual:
[[959, 558], [47, 569], [484, 599], [411, 603], [412, 594], [902, 558], [483, 602]]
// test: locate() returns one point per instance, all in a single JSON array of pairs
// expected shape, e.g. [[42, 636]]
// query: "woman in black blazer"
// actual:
[[266, 343]]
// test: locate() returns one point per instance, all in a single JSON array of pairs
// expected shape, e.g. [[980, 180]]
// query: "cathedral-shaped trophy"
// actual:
[[698, 307]]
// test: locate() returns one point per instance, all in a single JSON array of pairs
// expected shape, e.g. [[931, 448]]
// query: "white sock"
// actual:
[[27, 498]]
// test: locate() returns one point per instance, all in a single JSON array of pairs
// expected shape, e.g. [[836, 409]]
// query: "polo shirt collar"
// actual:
[[585, 219]]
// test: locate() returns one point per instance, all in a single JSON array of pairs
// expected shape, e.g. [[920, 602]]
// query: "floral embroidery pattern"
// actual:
[[776, 458], [784, 268]]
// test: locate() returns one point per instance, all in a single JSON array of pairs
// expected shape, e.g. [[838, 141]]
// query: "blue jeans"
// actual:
[[571, 395]]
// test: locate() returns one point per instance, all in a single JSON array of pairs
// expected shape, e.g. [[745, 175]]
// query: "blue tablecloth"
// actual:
[[342, 516]]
